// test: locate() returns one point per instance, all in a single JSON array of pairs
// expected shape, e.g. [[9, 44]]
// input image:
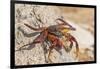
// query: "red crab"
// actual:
[[52, 34]]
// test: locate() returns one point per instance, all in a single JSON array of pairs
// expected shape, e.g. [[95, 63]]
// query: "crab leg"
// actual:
[[50, 50], [30, 45], [40, 29], [38, 39], [55, 43], [26, 34], [76, 43]]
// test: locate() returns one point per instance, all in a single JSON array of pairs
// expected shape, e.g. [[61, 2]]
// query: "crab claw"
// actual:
[[69, 48], [71, 39], [64, 24]]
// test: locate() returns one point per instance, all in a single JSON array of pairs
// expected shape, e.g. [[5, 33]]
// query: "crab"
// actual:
[[52, 35]]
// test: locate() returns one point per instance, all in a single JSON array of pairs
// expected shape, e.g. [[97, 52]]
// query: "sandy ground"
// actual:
[[81, 18]]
